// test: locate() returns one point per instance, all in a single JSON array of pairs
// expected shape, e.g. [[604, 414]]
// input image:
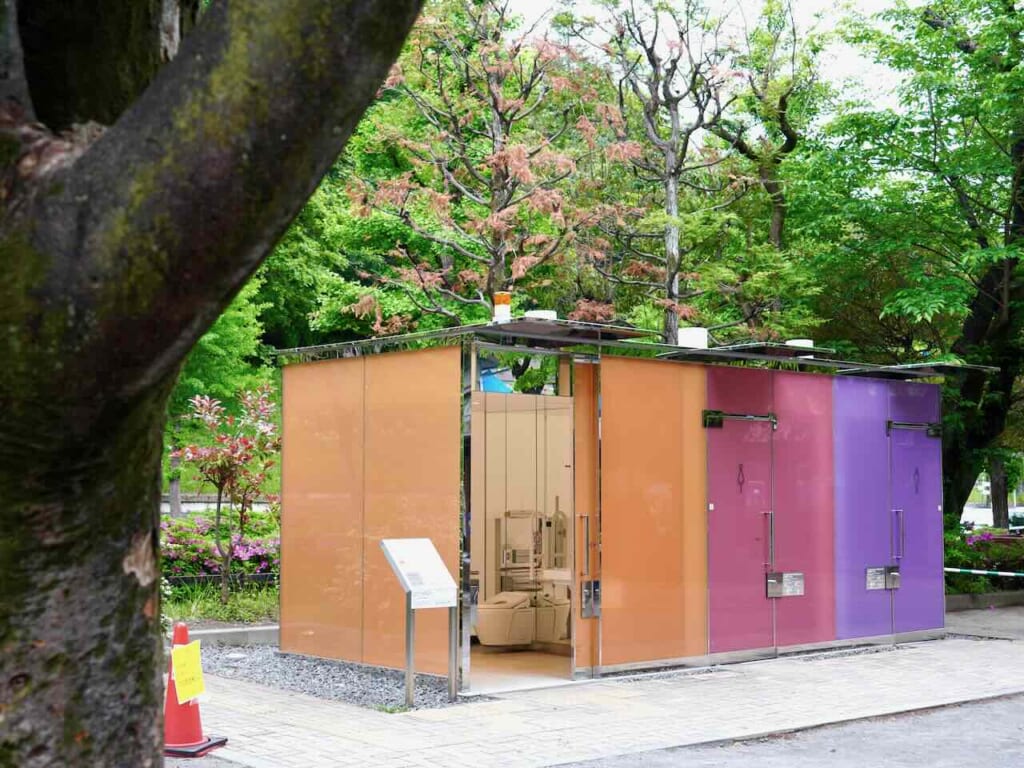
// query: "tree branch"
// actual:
[[153, 230], [13, 83]]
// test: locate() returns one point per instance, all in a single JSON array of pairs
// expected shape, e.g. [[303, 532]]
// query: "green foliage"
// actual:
[[893, 214], [189, 545], [983, 550], [228, 358], [252, 604]]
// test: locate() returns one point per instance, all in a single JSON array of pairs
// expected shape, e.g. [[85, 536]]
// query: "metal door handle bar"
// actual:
[[933, 428], [769, 517], [586, 545], [716, 419], [900, 534]]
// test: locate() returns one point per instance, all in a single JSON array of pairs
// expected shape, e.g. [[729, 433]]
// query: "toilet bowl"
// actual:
[[552, 619], [505, 619]]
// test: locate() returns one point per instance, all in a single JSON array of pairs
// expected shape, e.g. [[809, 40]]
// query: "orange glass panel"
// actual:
[[412, 445], [653, 530], [322, 509], [585, 461]]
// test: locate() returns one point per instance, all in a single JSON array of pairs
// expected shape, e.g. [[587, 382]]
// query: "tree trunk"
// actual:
[[999, 492], [977, 404], [223, 551], [777, 226], [118, 253], [670, 330], [174, 486], [80, 672], [76, 77]]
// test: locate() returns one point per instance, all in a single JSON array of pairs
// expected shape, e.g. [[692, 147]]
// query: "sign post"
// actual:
[[427, 584]]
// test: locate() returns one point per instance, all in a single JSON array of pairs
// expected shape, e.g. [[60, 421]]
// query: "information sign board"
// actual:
[[421, 572]]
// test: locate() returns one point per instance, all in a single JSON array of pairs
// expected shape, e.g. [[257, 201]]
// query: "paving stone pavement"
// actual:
[[269, 728]]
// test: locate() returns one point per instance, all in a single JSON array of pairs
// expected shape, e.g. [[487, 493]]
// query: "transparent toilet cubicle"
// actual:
[[521, 534]]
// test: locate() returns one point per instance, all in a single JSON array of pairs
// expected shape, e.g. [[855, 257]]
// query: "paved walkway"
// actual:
[[269, 728], [1006, 623]]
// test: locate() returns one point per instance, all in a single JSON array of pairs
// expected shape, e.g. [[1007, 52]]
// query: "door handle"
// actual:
[[769, 518], [586, 545], [901, 534]]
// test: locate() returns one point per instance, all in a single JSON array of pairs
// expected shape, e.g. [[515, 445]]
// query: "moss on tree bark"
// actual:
[[118, 253]]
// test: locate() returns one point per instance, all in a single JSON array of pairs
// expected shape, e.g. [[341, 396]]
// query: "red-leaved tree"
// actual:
[[235, 462], [482, 113]]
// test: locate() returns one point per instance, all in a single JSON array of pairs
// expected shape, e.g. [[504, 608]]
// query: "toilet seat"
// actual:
[[505, 619]]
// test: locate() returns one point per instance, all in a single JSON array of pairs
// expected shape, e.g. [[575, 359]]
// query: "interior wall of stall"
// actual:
[[371, 451], [653, 533]]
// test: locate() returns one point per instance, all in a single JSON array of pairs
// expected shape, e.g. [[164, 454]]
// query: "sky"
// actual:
[[839, 64]]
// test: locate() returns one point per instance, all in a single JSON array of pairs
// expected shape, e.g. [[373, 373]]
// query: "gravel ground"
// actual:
[[323, 678]]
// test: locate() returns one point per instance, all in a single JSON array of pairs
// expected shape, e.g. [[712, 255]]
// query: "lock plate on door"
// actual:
[[892, 577], [591, 599], [780, 584]]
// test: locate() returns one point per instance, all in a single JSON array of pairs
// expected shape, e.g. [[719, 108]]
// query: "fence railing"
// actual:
[[973, 572]]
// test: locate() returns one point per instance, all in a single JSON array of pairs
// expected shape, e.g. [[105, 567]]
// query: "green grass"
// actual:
[[248, 605]]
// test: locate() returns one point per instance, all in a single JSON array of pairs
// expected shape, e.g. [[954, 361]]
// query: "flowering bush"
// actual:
[[983, 551], [235, 459], [189, 547], [972, 539]]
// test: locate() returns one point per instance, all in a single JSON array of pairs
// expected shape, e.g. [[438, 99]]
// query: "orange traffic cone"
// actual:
[[183, 730]]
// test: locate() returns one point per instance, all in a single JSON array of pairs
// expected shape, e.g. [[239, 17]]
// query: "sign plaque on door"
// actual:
[[874, 578], [780, 584], [792, 584]]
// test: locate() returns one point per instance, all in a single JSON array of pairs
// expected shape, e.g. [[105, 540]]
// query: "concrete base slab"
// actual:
[[255, 635]]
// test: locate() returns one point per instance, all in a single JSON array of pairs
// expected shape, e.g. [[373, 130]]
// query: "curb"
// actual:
[[268, 634], [957, 603]]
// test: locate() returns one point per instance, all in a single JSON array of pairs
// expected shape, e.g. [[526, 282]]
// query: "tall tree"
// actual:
[[487, 107], [666, 64], [781, 96], [960, 137], [119, 248]]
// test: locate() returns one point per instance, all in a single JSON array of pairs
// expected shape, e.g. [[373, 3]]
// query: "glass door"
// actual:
[[740, 534], [916, 525]]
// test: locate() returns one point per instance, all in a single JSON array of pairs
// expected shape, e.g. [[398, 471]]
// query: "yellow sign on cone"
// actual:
[[188, 671]]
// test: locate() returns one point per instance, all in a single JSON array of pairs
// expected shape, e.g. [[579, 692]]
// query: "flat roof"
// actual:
[[916, 370], [541, 333], [561, 332]]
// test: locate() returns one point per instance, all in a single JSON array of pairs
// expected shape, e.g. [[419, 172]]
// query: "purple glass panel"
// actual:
[[862, 527], [739, 498], [804, 533], [917, 495], [913, 402]]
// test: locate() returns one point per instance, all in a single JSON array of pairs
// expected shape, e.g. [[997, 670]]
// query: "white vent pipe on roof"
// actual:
[[693, 337], [502, 306]]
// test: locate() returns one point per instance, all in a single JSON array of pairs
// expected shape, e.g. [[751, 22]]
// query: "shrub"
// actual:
[[189, 547], [983, 550]]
